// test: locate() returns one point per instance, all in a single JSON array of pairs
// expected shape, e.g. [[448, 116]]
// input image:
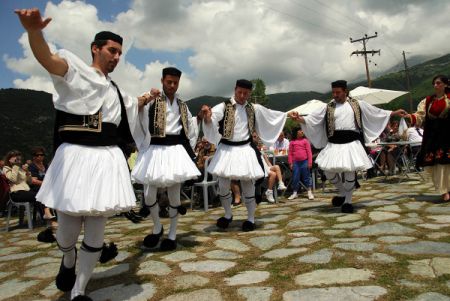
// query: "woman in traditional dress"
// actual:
[[433, 114]]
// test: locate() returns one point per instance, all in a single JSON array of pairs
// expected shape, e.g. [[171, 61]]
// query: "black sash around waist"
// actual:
[[344, 136], [174, 140], [107, 137], [235, 143]]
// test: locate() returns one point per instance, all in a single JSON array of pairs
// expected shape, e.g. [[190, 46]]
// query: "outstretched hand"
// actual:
[[400, 113], [205, 114], [31, 19]]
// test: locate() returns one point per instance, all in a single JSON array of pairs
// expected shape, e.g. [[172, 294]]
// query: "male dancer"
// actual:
[[168, 161], [341, 128], [88, 178], [230, 125]]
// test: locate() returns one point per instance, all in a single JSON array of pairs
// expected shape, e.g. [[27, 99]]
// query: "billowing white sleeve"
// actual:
[[374, 120], [314, 127], [193, 130], [138, 122], [211, 130], [269, 124], [81, 90]]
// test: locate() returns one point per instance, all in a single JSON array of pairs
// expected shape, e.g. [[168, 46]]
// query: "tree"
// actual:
[[259, 92]]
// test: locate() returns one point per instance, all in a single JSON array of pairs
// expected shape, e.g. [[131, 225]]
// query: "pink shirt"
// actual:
[[300, 150]]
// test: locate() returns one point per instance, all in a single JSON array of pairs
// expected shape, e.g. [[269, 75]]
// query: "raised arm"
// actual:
[[33, 23]]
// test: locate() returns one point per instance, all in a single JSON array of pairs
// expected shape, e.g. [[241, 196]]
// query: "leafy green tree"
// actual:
[[259, 92]]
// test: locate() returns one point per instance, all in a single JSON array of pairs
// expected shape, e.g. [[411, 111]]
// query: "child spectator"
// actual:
[[300, 161]]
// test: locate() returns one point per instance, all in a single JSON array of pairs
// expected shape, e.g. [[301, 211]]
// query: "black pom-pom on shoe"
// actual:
[[46, 236], [65, 280], [347, 208], [168, 245], [151, 240], [224, 222], [337, 201], [108, 252], [248, 226]]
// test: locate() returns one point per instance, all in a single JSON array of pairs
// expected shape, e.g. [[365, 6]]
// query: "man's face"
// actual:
[[281, 137], [170, 84], [107, 57], [241, 95], [339, 94]]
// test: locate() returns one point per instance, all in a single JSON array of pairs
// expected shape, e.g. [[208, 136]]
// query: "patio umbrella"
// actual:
[[375, 96], [309, 106]]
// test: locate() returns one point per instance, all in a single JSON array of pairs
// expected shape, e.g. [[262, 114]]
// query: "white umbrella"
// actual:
[[309, 107], [375, 96]]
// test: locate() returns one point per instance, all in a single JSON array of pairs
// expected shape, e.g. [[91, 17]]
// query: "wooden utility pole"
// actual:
[[408, 83], [364, 52]]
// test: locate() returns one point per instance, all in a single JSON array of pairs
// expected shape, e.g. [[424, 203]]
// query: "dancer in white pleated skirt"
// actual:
[[230, 125], [341, 128], [88, 178], [168, 161]]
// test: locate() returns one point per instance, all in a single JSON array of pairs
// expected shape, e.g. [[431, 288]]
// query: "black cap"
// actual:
[[108, 35], [243, 83], [339, 84], [171, 71]]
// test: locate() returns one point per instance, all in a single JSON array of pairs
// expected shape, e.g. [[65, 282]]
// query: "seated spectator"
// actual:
[[273, 171], [19, 178], [274, 175], [281, 146], [236, 190], [300, 161], [204, 150], [38, 169], [389, 152]]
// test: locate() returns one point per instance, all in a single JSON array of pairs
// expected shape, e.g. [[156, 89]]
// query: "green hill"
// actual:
[[26, 116]]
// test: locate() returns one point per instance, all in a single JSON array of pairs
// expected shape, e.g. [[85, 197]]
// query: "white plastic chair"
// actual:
[[28, 208], [204, 184]]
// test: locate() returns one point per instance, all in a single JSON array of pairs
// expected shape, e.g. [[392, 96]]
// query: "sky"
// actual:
[[293, 45]]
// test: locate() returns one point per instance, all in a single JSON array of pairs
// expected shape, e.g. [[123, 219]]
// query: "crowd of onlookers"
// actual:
[[24, 178], [288, 160]]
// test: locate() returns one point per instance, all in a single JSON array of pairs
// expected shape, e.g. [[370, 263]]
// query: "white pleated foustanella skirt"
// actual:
[[164, 166], [88, 180], [236, 162], [343, 157]]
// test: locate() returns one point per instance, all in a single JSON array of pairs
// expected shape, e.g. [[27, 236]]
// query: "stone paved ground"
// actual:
[[396, 246]]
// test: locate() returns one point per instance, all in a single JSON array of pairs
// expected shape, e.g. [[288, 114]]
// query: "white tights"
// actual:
[[173, 192], [69, 228], [344, 182], [248, 192]]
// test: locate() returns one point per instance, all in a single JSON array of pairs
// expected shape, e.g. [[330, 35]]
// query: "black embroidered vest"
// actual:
[[226, 125]]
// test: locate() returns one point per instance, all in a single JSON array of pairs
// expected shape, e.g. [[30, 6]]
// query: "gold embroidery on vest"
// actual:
[[91, 123], [331, 107], [357, 110], [250, 110], [159, 120], [228, 121], [184, 116]]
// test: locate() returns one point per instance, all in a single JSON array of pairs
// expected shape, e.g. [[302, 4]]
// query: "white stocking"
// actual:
[[69, 228], [94, 232], [225, 196], [349, 186], [336, 180], [248, 191], [173, 192], [150, 192]]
